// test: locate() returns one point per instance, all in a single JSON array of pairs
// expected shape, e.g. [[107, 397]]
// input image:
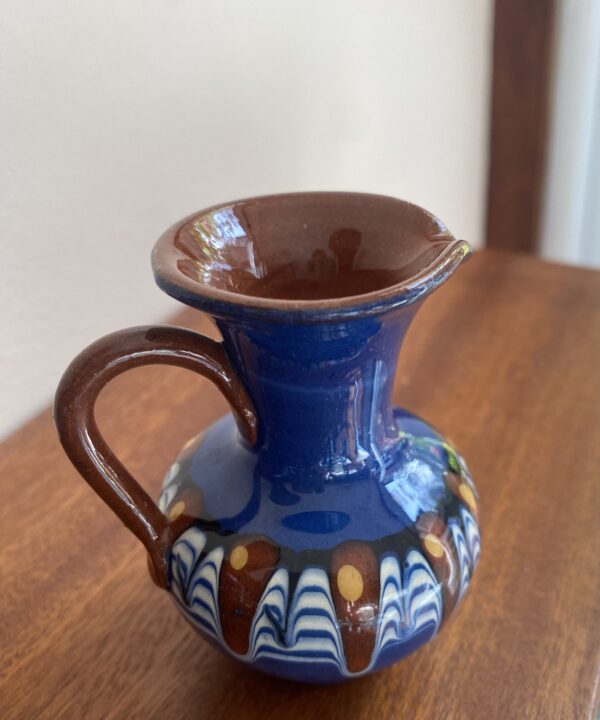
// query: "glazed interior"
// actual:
[[307, 246]]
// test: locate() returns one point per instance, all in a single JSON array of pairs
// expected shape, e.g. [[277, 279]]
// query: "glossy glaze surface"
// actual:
[[324, 594], [314, 255], [345, 537], [311, 247], [75, 420], [327, 534]]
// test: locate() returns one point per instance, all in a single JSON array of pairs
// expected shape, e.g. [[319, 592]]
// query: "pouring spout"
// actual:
[[306, 257]]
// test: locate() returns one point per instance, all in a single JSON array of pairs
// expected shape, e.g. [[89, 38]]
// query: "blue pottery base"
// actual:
[[321, 586]]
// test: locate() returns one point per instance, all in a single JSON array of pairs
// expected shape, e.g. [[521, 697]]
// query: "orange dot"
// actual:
[[350, 583], [239, 557], [176, 510], [433, 545], [467, 495]]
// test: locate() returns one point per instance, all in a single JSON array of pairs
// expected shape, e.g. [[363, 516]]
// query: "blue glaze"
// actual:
[[335, 462], [244, 499], [338, 480], [296, 635], [327, 434]]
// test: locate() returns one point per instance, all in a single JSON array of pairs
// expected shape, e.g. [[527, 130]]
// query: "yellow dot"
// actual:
[[433, 545], [350, 583], [176, 510], [239, 557], [467, 495]]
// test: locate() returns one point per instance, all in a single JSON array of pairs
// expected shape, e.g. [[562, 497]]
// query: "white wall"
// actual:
[[571, 216], [120, 117]]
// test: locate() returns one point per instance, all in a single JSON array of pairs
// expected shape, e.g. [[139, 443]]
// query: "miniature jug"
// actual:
[[317, 533]]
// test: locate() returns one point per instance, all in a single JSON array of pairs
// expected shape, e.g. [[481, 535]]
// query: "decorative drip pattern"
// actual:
[[268, 628], [302, 626], [472, 533], [411, 601], [195, 582], [325, 614], [464, 558]]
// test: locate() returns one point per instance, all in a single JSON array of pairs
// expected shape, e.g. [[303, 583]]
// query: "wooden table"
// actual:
[[505, 360]]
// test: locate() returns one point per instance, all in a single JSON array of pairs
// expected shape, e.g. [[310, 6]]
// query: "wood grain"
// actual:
[[521, 80], [504, 360]]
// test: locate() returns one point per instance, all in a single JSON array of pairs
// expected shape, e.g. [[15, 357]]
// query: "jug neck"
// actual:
[[322, 391]]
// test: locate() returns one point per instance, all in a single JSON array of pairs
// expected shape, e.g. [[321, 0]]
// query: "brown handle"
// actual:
[[74, 417]]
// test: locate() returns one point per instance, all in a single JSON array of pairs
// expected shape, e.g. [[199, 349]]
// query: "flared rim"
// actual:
[[166, 257]]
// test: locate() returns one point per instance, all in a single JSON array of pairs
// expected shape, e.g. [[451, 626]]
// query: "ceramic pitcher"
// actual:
[[317, 532]]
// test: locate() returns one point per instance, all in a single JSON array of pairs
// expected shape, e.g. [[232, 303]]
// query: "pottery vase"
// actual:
[[318, 532]]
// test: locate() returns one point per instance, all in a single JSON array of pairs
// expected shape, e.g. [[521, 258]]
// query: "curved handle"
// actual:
[[74, 417]]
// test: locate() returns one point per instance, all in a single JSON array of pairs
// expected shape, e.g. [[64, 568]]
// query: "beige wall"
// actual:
[[120, 117], [571, 212]]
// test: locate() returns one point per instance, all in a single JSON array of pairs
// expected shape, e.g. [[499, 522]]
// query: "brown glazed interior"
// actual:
[[306, 248]]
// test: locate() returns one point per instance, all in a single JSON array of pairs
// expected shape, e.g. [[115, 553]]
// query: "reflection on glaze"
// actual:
[[346, 535], [304, 626], [336, 612], [317, 533], [320, 246]]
